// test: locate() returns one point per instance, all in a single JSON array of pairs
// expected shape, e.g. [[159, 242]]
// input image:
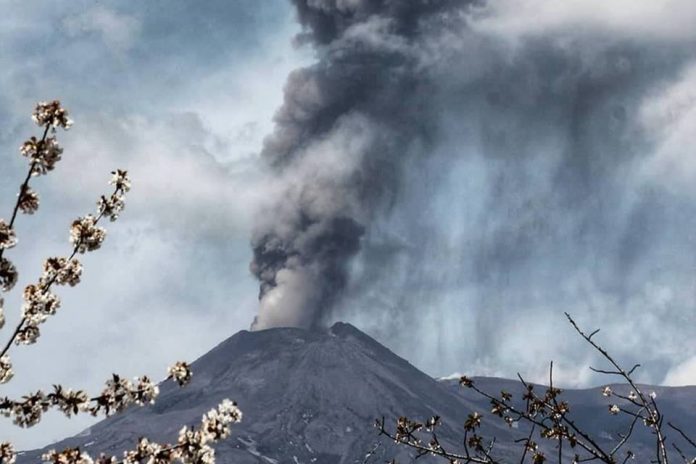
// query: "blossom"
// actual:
[[115, 396], [39, 303], [51, 114], [61, 271], [473, 421], [215, 423], [180, 372], [69, 402], [44, 154], [28, 334], [6, 372], [606, 391], [85, 235], [68, 456], [112, 206], [193, 447], [653, 395], [8, 275], [7, 453], [28, 201], [144, 451], [145, 391], [121, 180], [8, 239], [632, 396], [28, 412], [614, 409]]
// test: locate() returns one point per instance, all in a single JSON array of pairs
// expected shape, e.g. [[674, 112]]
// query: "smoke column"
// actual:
[[341, 136], [452, 170]]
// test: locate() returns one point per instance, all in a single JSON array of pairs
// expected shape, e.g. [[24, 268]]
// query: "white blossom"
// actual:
[[61, 271], [68, 456], [85, 235], [28, 334], [39, 303], [8, 274], [28, 201], [51, 114], [112, 206], [43, 154], [120, 180], [180, 372], [8, 455], [8, 239], [6, 372]]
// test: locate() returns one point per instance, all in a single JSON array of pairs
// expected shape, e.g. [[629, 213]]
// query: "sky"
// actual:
[[515, 160]]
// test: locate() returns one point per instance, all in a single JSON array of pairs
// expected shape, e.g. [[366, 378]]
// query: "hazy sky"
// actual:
[[557, 175], [179, 93]]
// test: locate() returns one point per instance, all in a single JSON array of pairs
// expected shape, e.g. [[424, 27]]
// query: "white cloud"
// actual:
[[118, 31], [669, 118], [656, 19], [682, 374]]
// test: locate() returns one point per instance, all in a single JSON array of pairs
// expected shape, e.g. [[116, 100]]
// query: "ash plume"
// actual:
[[341, 136], [448, 170]]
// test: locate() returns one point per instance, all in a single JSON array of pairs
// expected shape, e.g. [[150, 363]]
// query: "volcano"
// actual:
[[312, 396]]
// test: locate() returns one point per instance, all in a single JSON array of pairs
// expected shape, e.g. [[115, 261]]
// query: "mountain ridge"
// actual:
[[311, 396]]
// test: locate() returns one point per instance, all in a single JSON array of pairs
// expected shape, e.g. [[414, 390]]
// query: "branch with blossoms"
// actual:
[[39, 303], [550, 420], [192, 446]]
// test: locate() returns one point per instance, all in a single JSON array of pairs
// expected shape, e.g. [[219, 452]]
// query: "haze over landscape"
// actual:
[[448, 176]]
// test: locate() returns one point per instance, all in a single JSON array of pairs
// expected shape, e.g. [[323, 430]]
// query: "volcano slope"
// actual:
[[312, 396]]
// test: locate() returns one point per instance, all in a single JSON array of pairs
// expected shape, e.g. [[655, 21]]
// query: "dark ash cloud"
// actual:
[[484, 176]]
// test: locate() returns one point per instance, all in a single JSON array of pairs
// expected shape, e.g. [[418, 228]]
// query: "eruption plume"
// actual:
[[463, 167], [341, 136]]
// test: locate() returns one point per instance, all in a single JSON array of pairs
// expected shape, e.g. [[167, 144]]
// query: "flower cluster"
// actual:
[[193, 445], [61, 271], [51, 114], [28, 412], [8, 238], [216, 422], [120, 180], [180, 372], [8, 274], [85, 235], [8, 455], [42, 153], [6, 372], [27, 334], [68, 456], [112, 206], [28, 201], [39, 303], [120, 393]]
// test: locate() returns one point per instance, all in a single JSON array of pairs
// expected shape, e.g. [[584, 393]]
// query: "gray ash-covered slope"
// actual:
[[311, 396], [308, 396]]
